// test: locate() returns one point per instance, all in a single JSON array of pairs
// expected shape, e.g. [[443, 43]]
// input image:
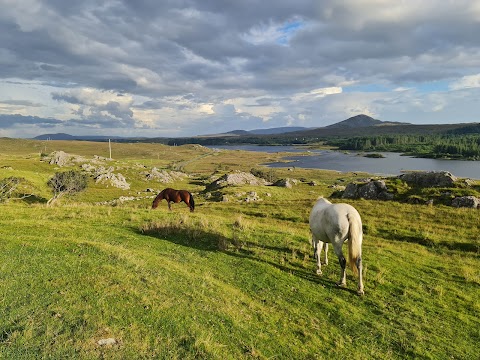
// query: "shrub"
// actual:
[[8, 187], [269, 175], [67, 182]]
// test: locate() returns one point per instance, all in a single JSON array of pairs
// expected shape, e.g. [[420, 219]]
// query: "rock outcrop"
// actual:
[[466, 201], [236, 178], [164, 176], [429, 178], [102, 175], [61, 158], [370, 190], [287, 183]]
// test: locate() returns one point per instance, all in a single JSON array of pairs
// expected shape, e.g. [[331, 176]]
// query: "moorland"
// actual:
[[94, 276]]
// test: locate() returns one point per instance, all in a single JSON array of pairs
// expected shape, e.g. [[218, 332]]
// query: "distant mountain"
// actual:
[[63, 136], [277, 130], [238, 132], [59, 136], [270, 131], [362, 121]]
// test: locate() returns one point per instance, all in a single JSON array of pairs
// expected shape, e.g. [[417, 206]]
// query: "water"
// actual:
[[392, 164]]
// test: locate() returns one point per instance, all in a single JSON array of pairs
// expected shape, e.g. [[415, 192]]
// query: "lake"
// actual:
[[392, 164]]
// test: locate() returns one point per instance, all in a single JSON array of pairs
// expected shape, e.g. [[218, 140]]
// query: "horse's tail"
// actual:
[[191, 203], [355, 237]]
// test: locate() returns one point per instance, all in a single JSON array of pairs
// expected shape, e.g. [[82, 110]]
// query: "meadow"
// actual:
[[234, 279]]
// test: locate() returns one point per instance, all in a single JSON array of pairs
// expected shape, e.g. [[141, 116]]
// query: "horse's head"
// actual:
[[157, 200]]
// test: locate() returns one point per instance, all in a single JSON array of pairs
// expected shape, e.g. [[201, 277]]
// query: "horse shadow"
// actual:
[[211, 241]]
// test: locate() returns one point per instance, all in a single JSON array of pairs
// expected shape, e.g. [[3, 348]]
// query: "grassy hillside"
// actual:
[[234, 279]]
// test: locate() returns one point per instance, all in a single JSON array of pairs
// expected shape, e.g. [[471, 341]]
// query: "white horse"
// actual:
[[335, 224]]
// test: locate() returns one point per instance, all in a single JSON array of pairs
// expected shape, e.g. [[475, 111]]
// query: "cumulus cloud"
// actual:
[[190, 65], [466, 82]]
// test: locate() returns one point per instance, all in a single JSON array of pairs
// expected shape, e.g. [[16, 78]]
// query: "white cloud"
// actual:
[[315, 94], [466, 82], [200, 66]]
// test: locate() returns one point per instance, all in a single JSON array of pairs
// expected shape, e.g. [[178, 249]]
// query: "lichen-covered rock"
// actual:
[[466, 201], [102, 175], [350, 191], [287, 183], [252, 196], [372, 190], [164, 176], [429, 178], [116, 180], [235, 179], [61, 158]]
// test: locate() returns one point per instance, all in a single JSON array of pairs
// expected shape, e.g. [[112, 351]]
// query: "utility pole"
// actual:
[[110, 148]]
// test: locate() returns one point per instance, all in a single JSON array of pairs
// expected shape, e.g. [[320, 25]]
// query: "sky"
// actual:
[[176, 68]]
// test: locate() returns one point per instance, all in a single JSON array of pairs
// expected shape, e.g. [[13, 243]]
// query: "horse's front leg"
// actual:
[[318, 251], [169, 205]]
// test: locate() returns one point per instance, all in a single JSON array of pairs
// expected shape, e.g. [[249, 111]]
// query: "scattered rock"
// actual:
[[287, 183], [61, 158], [466, 201], [102, 174], [164, 176], [429, 178], [235, 179], [371, 190], [468, 182], [109, 341], [116, 180], [252, 196], [337, 187], [123, 199], [88, 168]]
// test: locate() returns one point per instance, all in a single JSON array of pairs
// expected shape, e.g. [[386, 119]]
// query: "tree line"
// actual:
[[435, 146]]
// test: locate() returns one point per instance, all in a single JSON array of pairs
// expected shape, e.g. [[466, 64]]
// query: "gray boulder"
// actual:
[[235, 179], [372, 190], [429, 178], [466, 201], [287, 183]]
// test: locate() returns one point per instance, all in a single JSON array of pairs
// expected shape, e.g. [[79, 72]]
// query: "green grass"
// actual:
[[233, 280]]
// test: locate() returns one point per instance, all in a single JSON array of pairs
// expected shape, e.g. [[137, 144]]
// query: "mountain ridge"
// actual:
[[358, 125]]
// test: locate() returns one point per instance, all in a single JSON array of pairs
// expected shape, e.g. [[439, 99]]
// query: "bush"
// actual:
[[269, 175], [67, 182], [8, 187]]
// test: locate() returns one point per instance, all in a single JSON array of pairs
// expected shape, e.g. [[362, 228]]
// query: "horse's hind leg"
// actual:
[[326, 254], [343, 263], [359, 266]]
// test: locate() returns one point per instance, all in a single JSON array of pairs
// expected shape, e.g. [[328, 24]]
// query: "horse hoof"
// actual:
[[360, 293], [342, 285], [319, 272]]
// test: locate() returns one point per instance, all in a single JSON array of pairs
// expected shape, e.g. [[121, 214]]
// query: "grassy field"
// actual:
[[233, 280]]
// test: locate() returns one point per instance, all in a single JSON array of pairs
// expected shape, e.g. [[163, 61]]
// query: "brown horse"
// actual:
[[172, 195]]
